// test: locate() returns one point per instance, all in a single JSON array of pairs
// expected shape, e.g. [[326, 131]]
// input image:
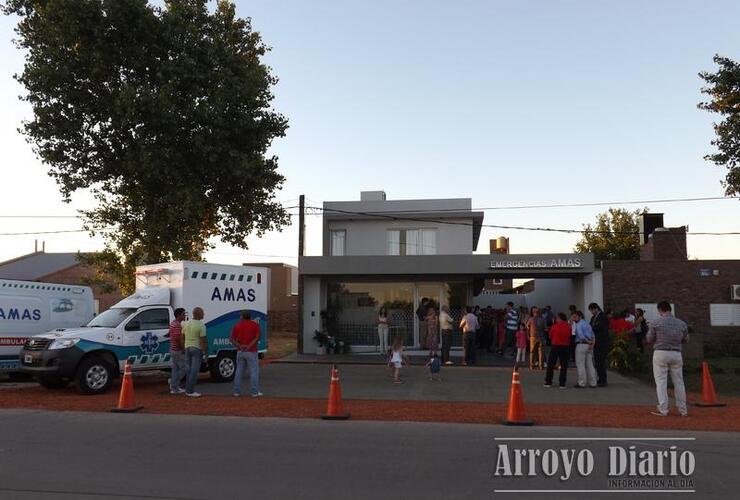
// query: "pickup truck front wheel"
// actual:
[[94, 376], [224, 367]]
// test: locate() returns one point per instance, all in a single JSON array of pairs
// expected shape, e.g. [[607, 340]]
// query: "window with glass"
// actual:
[[352, 311], [338, 242], [151, 319], [411, 242]]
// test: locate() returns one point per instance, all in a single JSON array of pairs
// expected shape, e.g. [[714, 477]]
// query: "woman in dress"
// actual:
[[432, 330]]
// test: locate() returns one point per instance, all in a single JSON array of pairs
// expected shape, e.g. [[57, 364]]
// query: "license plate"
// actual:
[[28, 359]]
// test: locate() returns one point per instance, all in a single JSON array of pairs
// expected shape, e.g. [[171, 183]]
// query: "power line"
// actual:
[[499, 226], [569, 205], [505, 207], [30, 233]]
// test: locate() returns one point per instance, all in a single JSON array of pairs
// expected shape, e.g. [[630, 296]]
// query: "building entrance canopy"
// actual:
[[475, 265]]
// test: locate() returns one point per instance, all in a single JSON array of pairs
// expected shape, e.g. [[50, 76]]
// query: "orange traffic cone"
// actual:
[[126, 399], [708, 396], [516, 414], [335, 409]]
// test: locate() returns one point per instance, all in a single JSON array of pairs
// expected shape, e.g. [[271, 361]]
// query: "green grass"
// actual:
[[725, 374]]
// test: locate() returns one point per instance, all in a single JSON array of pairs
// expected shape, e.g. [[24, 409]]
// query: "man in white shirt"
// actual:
[[469, 325]]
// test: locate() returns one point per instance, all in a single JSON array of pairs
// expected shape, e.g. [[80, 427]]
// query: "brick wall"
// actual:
[[283, 321], [283, 308], [679, 282], [665, 244]]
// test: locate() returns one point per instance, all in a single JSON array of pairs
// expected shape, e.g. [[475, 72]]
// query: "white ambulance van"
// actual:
[[136, 329], [28, 308]]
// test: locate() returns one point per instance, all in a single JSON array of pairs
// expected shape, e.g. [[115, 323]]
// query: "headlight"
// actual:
[[63, 343]]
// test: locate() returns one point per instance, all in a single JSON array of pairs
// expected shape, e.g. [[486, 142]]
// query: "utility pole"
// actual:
[[301, 251]]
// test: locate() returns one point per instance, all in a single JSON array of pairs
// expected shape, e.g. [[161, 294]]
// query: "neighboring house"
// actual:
[[283, 308], [704, 293], [58, 268], [394, 253]]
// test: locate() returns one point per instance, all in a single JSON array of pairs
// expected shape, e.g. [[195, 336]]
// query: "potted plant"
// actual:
[[322, 340]]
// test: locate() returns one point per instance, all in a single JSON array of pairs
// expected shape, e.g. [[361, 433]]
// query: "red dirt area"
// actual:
[[154, 396]]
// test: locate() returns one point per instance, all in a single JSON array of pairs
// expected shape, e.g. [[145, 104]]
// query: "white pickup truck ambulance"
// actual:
[[136, 329], [28, 308]]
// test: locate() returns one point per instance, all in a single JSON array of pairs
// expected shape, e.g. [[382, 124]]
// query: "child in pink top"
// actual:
[[521, 346]]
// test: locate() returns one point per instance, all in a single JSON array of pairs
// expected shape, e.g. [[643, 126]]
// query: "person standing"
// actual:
[[668, 334], [246, 336], [194, 332], [445, 328], [432, 330], [421, 314], [521, 347], [512, 324], [535, 327], [434, 365], [584, 351], [468, 325], [177, 354], [559, 350], [398, 358], [641, 329], [383, 330], [571, 311], [600, 327]]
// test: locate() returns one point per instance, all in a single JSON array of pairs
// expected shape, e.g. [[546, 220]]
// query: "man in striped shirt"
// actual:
[[177, 355], [668, 334], [512, 325]]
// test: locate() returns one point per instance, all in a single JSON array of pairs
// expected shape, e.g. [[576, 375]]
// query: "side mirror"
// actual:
[[133, 325]]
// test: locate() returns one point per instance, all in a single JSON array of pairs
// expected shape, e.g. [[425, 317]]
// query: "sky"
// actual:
[[507, 103]]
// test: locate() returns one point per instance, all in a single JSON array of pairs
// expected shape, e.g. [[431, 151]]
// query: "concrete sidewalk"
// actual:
[[417, 356], [471, 384]]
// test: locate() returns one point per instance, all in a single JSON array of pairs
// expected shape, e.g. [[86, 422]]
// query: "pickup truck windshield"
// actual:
[[111, 318]]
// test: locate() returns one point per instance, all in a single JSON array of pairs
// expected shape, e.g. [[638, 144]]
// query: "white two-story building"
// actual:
[[393, 253]]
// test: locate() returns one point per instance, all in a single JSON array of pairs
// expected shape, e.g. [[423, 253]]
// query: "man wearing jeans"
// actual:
[[245, 336], [668, 334], [177, 354], [194, 332]]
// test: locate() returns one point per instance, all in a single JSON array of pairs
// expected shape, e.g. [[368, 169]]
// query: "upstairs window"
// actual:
[[338, 242], [411, 242]]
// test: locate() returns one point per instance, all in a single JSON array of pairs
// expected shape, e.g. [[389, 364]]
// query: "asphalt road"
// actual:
[[48, 455]]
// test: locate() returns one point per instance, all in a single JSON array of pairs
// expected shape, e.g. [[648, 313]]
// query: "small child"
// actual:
[[397, 359], [521, 346], [434, 365]]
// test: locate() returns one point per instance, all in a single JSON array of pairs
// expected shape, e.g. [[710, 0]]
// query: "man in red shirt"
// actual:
[[560, 334], [245, 336]]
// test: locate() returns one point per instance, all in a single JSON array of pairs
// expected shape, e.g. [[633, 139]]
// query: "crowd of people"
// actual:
[[535, 336]]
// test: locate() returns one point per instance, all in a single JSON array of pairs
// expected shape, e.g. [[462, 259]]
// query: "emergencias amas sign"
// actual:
[[574, 263]]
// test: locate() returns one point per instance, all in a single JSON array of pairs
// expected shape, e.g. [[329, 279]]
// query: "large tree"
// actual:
[[614, 236], [723, 89], [163, 113]]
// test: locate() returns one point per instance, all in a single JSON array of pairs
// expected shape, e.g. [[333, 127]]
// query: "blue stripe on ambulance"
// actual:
[[218, 330]]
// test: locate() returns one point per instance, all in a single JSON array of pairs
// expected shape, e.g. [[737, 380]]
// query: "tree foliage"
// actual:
[[162, 113], [723, 89], [614, 236]]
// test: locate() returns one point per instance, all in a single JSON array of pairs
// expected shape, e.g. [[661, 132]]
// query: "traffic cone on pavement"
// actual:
[[335, 409], [126, 398], [516, 414], [708, 396]]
